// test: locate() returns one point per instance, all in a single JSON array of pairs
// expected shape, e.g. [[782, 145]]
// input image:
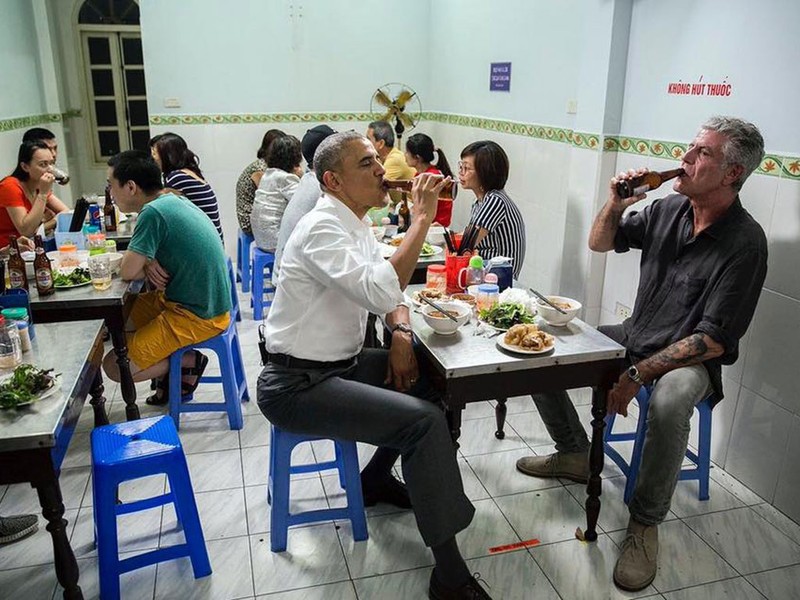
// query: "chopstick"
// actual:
[[449, 241], [437, 307], [546, 301]]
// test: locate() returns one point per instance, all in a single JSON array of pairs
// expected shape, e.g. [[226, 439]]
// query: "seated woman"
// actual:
[[420, 155], [27, 194], [181, 169], [275, 190], [248, 181], [483, 168]]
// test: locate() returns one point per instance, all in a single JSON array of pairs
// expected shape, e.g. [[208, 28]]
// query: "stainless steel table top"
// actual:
[[67, 347], [469, 351], [85, 296]]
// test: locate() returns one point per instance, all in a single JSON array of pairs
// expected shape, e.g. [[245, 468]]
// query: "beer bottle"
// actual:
[[646, 182], [60, 176], [109, 213], [448, 191], [404, 215], [16, 266], [43, 269]]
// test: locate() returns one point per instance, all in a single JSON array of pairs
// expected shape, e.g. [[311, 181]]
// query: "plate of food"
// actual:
[[504, 315], [431, 294], [26, 385], [526, 338], [427, 248], [77, 277]]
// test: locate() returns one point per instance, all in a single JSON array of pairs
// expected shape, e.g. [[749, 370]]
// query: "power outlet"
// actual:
[[172, 103], [622, 311]]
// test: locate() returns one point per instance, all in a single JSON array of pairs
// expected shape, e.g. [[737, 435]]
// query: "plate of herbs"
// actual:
[[26, 385]]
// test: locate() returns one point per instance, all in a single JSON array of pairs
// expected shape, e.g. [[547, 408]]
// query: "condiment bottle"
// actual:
[[96, 243], [646, 182], [488, 296], [10, 345], [18, 278], [109, 212], [42, 269], [436, 277]]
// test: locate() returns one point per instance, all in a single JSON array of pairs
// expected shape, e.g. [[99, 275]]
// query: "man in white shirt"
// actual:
[[319, 380]]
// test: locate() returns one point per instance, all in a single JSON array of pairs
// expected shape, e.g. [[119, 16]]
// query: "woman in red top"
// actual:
[[420, 155], [26, 196]]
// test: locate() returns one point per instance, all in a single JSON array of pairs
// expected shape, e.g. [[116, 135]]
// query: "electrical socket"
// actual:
[[172, 103], [622, 311]]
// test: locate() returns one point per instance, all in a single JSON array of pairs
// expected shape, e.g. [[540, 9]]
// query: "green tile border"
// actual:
[[233, 119], [34, 120]]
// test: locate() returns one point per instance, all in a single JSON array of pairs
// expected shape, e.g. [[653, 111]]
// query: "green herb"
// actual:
[[76, 277], [24, 384], [427, 249], [506, 314]]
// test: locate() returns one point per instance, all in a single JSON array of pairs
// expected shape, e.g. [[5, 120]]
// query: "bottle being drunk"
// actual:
[[60, 176], [448, 191], [43, 269], [109, 213], [646, 182], [18, 278]]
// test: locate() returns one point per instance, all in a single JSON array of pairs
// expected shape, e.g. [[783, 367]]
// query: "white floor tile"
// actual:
[[332, 591], [730, 589], [498, 473], [136, 532], [686, 504], [255, 431], [779, 520], [37, 548], [31, 582], [134, 585], [777, 584], [306, 494], [215, 470], [208, 436], [549, 515], [489, 529], [222, 515], [477, 437]]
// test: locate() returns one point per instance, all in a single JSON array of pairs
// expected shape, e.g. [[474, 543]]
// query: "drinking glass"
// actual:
[[100, 270]]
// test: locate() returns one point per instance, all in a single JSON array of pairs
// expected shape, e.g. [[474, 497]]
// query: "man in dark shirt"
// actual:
[[704, 260]]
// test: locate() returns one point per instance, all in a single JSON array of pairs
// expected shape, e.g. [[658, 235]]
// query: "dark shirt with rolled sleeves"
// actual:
[[709, 283]]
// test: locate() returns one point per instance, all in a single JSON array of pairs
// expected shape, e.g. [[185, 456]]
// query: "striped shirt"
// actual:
[[498, 214], [199, 192]]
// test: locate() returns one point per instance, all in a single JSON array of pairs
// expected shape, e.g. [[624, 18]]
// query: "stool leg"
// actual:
[[341, 467], [174, 391], [355, 500], [279, 510], [257, 285], [704, 452], [238, 258], [238, 364], [181, 487], [230, 389], [246, 266], [636, 456], [105, 518]]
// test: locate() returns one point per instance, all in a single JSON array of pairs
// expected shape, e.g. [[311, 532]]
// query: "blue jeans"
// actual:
[[672, 403]]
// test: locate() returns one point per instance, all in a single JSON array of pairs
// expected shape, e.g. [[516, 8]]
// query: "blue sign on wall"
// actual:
[[500, 77]]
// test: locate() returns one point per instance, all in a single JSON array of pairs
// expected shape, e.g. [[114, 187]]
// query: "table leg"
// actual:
[[65, 563], [593, 488], [500, 410], [98, 400], [453, 416], [116, 327]]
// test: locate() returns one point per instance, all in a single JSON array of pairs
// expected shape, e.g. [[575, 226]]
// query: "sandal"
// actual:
[[200, 364], [161, 386]]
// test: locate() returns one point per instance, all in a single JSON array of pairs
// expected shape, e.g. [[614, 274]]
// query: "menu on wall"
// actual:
[[500, 77]]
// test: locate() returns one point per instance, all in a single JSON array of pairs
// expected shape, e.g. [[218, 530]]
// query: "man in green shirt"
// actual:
[[175, 246]]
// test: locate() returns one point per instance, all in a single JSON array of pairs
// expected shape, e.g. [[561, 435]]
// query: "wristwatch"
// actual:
[[634, 375], [404, 327]]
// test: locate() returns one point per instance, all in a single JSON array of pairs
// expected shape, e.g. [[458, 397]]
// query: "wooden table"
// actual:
[[34, 439], [86, 303], [472, 367]]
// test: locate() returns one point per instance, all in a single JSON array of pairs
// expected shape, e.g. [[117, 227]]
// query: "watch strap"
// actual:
[[404, 327]]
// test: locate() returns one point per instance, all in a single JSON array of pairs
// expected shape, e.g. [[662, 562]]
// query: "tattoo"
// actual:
[[688, 351]]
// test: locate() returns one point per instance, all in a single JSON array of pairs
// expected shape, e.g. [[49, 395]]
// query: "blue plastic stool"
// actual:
[[232, 377], [236, 314], [261, 260], [129, 451], [280, 471], [701, 460], [243, 242]]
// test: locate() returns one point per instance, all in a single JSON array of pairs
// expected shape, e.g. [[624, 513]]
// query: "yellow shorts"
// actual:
[[161, 327]]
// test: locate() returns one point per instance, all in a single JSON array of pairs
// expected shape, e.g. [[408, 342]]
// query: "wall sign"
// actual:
[[680, 88], [500, 77]]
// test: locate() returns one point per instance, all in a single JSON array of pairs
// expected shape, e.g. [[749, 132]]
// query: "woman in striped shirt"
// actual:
[[181, 169], [483, 168]]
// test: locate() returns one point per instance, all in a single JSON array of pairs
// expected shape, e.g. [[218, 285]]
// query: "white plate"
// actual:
[[495, 327], [41, 395], [74, 285], [387, 250], [519, 350]]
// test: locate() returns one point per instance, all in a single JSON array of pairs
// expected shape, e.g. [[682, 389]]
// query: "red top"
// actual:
[[444, 209], [11, 194]]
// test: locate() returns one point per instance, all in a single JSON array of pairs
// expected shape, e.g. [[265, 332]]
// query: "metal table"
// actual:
[[34, 438], [472, 367], [86, 303], [122, 236]]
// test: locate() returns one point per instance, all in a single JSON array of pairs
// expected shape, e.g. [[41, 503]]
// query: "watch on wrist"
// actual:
[[404, 327], [634, 375]]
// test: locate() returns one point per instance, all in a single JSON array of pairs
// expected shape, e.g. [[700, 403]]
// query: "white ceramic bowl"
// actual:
[[435, 236], [552, 316], [378, 231], [443, 325], [114, 261]]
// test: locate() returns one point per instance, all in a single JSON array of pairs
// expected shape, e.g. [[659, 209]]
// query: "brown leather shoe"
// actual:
[[573, 466], [638, 562], [472, 590]]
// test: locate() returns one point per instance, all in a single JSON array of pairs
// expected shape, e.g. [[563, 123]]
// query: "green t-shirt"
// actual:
[[185, 242]]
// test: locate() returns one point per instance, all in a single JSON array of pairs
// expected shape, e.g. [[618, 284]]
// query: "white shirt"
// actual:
[[332, 276]]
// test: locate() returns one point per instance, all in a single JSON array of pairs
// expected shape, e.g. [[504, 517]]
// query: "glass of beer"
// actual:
[[100, 270]]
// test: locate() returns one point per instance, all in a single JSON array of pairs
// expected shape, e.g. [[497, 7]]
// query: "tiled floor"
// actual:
[[732, 546]]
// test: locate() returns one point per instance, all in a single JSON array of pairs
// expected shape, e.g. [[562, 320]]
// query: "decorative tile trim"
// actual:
[[29, 121], [233, 119]]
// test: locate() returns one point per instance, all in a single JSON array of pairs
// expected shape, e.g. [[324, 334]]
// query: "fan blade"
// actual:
[[403, 98], [407, 121], [382, 98], [388, 116]]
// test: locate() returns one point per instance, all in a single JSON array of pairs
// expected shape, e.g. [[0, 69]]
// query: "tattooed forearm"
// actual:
[[691, 350]]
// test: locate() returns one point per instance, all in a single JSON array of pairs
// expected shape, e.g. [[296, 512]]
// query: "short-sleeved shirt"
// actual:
[[246, 193], [396, 166], [200, 194], [11, 195], [184, 241], [498, 214], [709, 283]]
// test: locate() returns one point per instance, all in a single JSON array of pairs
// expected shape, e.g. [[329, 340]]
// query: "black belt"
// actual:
[[290, 362]]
